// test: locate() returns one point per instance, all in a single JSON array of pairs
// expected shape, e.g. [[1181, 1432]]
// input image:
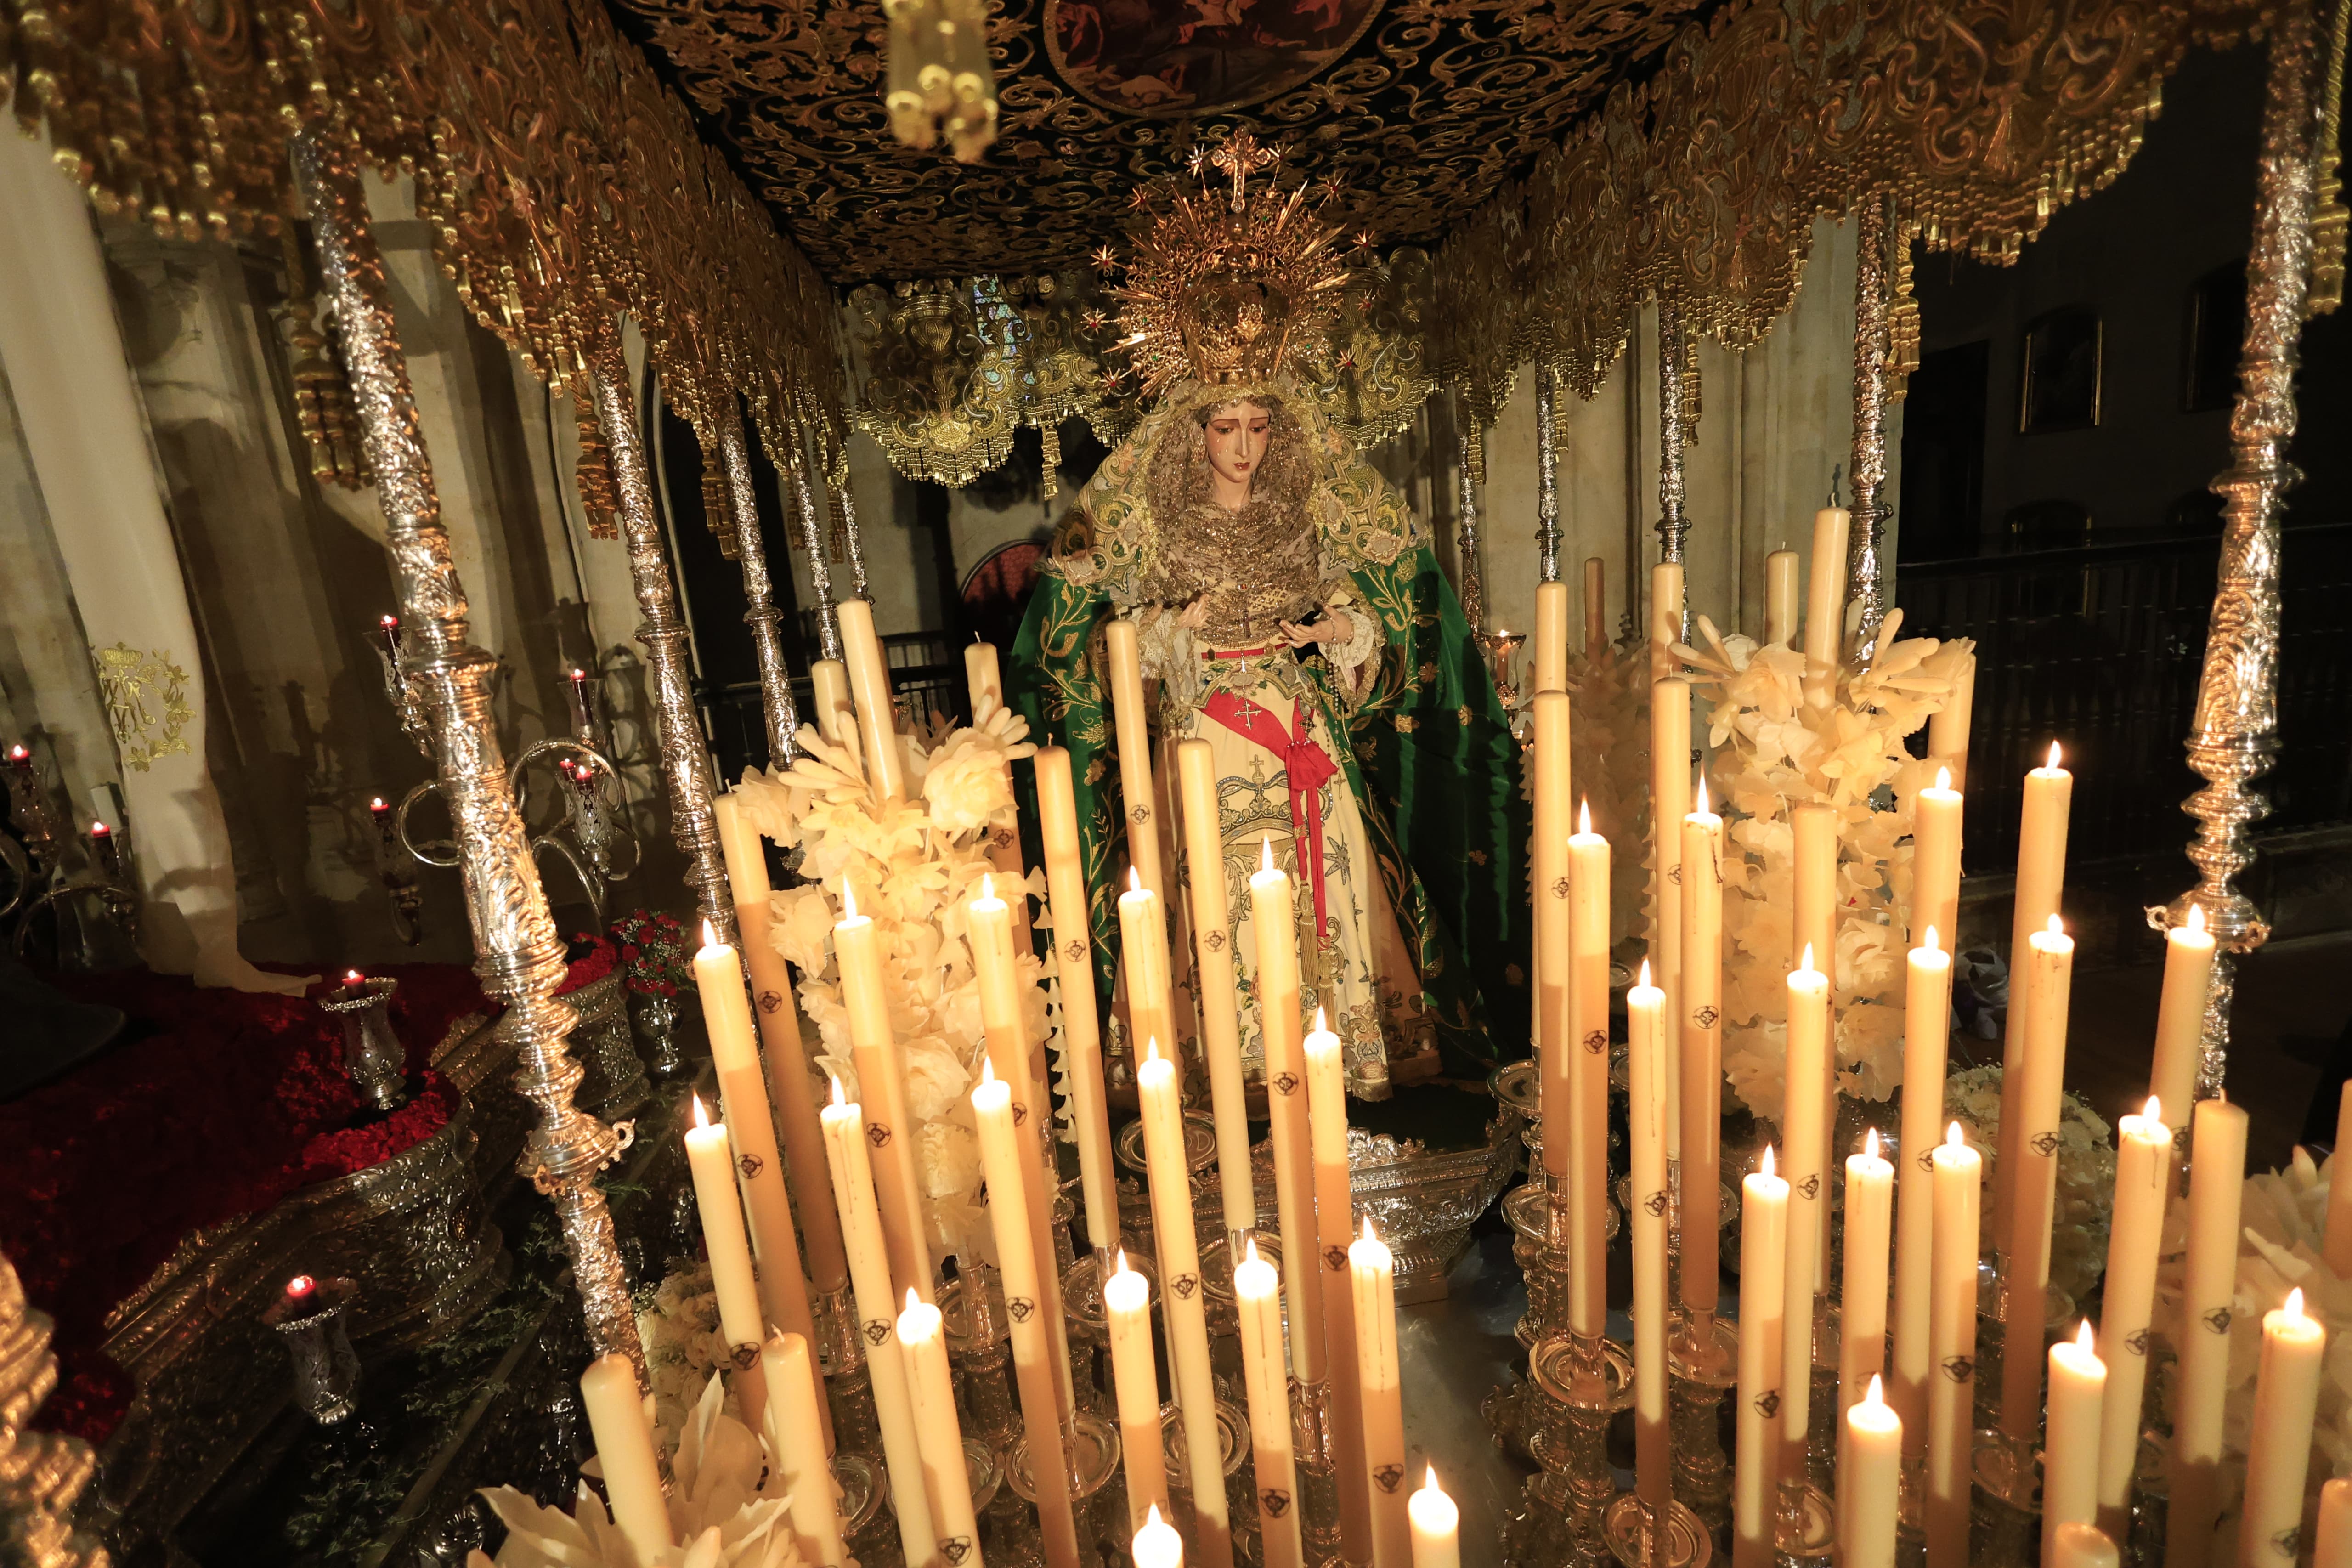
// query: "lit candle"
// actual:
[[1596, 608], [1780, 597], [1437, 1526], [1157, 1544], [1074, 960], [2040, 879], [1143, 959], [1803, 1128], [1273, 922], [624, 1452], [1185, 1304], [1645, 1008], [1825, 586], [1139, 798], [1008, 1159], [2034, 1196], [1952, 1341], [796, 1446], [1670, 801], [2070, 1455], [1869, 1225], [1372, 1269], [2084, 1546], [881, 1079], [869, 684], [579, 695], [1763, 1244], [1548, 844], [1947, 727], [1588, 1096], [1548, 661], [837, 712], [2127, 1300], [756, 1166], [712, 1162], [1935, 857], [1327, 1116], [2278, 1451], [1869, 1477], [870, 1283], [1004, 1025], [2181, 1014], [2217, 1175], [2334, 1540], [1135, 1381], [923, 1341], [1258, 1301], [1926, 1032], [1702, 1059], [982, 680], [1214, 959]]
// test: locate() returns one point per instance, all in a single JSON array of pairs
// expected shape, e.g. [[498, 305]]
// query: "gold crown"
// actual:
[[1224, 288]]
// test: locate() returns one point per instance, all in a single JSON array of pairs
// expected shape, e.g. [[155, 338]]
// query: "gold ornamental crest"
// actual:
[[146, 703]]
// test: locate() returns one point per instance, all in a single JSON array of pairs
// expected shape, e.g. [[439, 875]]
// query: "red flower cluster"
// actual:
[[590, 966], [653, 949], [217, 1103]]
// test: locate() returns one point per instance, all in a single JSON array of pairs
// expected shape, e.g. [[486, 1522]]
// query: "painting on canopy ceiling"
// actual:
[[1158, 58]]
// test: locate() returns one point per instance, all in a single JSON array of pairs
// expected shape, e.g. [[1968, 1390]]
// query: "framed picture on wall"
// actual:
[[2060, 359]]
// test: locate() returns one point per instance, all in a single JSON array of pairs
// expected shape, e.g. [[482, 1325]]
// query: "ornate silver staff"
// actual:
[[776, 706], [1472, 586], [828, 624], [1547, 476], [1673, 526], [521, 958], [1865, 572]]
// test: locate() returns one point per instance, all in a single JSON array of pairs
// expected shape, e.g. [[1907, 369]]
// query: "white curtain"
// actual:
[[79, 412]]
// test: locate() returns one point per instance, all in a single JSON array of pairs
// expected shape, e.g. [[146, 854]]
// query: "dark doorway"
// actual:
[[1943, 455]]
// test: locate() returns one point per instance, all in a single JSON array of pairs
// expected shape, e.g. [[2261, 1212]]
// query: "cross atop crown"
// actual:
[[1238, 157]]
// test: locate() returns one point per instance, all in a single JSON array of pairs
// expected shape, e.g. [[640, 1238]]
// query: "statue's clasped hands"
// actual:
[[1332, 627]]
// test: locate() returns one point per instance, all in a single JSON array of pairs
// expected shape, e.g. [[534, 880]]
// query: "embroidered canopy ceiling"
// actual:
[[1424, 107]]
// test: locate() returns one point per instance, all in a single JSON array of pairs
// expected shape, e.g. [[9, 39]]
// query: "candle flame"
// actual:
[[99, 829], [2055, 928], [2054, 755], [389, 622], [578, 673], [1134, 880], [1265, 852], [353, 977], [848, 900], [1646, 975], [1122, 1268], [1870, 1143], [1877, 1394], [1249, 1249], [709, 937], [2294, 1305], [835, 1079], [702, 1117], [2155, 1112], [2196, 921], [987, 1071], [1807, 963], [1584, 815], [1322, 1027], [1954, 1138], [1701, 810], [2087, 1340], [1152, 1519], [913, 1300], [987, 886], [1928, 941], [1943, 778], [301, 1285], [1151, 1048], [1367, 1229], [1767, 1159]]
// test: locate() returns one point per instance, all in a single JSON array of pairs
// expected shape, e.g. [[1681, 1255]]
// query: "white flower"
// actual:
[[949, 1159], [936, 1079], [800, 927]]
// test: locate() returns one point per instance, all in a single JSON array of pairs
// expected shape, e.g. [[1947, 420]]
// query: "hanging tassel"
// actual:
[[1902, 319], [1050, 484], [2331, 224], [1690, 389], [593, 472]]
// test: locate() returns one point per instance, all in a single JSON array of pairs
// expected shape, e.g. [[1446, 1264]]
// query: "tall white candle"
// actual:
[[1327, 1110], [1273, 919], [1139, 797], [2034, 1193], [625, 1450], [1947, 727], [1220, 1037], [869, 684], [1257, 1304], [2217, 1175], [882, 1080], [1143, 960], [1157, 1544], [923, 1341], [2143, 1176], [1826, 592], [711, 1158], [796, 1446], [1548, 846], [1184, 1305], [2180, 1013], [2070, 1464], [1763, 1255], [1670, 801], [1927, 1034], [1861, 1312], [1436, 1526], [1806, 1147], [2278, 1452], [1548, 660], [2040, 881], [1372, 1269], [1952, 1339], [1936, 859], [1588, 1096], [1074, 962], [845, 1126], [1135, 1381], [2334, 1542], [1781, 597], [1870, 1479], [1702, 1059], [1645, 1006]]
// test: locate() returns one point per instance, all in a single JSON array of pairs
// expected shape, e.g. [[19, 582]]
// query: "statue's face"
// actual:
[[1236, 437]]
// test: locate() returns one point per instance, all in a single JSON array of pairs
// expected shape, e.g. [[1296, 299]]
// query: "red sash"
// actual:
[[1306, 764]]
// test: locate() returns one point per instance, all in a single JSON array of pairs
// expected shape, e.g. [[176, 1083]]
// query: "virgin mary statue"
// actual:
[[1290, 614]]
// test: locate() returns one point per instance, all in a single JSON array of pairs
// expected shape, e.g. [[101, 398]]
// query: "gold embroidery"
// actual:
[[146, 703]]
